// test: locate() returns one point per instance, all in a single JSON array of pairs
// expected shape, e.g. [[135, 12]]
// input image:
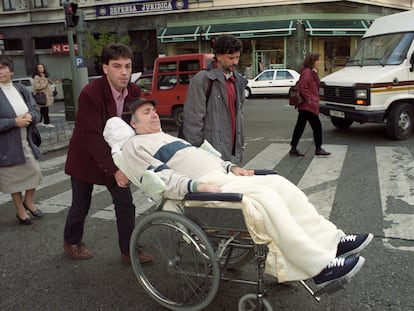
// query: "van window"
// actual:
[[189, 65], [167, 67], [192, 66], [388, 49], [166, 82]]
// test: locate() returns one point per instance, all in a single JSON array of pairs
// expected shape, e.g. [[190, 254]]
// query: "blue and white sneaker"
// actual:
[[338, 269], [353, 244]]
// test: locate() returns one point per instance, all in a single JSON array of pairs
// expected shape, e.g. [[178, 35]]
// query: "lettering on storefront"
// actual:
[[142, 7], [62, 48]]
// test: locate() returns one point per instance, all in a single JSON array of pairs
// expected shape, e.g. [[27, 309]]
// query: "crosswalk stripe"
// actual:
[[141, 203], [269, 157], [52, 163], [49, 180], [63, 200], [320, 180], [395, 171]]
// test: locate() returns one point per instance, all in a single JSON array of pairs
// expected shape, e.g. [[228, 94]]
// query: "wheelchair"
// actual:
[[194, 242]]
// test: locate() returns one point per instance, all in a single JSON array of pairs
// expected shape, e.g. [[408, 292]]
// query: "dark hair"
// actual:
[[7, 61], [227, 44], [37, 73], [115, 51], [310, 60]]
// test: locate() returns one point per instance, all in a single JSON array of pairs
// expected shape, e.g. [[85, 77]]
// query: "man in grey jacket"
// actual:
[[213, 108]]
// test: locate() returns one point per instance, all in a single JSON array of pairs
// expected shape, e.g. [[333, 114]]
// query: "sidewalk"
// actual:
[[58, 137]]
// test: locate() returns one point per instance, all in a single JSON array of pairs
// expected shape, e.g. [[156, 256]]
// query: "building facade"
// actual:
[[275, 33]]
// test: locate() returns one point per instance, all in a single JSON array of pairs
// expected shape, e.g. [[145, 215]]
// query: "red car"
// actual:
[[169, 82]]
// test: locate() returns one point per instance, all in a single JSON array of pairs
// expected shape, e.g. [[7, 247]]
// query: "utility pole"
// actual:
[[78, 71]]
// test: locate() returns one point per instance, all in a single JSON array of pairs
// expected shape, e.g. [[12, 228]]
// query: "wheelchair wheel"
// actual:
[[185, 274], [249, 303]]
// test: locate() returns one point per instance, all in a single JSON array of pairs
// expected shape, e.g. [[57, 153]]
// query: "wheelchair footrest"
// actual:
[[332, 287]]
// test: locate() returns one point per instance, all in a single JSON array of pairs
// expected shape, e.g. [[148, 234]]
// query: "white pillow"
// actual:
[[116, 133]]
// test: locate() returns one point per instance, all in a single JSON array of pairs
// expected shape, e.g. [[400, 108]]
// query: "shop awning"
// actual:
[[180, 34], [336, 28], [251, 30]]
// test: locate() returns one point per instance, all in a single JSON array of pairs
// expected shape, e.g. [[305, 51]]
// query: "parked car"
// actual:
[[28, 83], [272, 82]]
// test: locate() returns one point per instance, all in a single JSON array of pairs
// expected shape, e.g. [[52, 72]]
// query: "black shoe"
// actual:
[[321, 152], [296, 152], [26, 221], [339, 268], [35, 213], [353, 244]]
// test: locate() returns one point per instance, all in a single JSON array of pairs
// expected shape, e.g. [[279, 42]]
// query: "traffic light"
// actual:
[[212, 41], [70, 14]]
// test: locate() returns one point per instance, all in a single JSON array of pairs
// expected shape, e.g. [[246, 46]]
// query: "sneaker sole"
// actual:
[[357, 250], [347, 277]]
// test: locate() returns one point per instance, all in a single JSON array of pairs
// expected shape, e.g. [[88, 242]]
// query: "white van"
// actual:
[[377, 83]]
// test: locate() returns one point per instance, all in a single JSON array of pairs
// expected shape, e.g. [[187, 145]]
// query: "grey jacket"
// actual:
[[11, 149], [212, 121]]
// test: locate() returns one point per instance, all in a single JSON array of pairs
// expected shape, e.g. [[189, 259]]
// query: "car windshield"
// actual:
[[388, 49]]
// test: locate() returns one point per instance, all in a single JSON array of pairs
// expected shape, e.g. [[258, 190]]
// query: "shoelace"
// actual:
[[336, 262], [348, 238]]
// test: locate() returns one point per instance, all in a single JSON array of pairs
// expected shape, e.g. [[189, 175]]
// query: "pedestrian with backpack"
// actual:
[[309, 108], [213, 108]]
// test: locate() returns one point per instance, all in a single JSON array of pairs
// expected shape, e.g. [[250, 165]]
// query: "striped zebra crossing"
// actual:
[[395, 174], [395, 167], [321, 188]]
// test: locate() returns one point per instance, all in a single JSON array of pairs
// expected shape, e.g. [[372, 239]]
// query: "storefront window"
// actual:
[[335, 54]]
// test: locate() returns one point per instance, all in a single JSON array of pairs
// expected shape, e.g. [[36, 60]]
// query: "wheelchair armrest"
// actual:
[[214, 196], [265, 172]]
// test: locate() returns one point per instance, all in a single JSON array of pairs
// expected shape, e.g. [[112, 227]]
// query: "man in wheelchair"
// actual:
[[302, 243]]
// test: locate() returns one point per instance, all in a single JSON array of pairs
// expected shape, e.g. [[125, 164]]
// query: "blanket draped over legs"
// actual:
[[277, 213]]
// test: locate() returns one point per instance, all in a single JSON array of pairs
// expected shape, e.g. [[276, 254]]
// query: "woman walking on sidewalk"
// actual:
[[41, 85], [309, 110]]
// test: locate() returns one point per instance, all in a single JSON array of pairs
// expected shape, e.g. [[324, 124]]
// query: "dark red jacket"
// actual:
[[309, 88], [89, 156]]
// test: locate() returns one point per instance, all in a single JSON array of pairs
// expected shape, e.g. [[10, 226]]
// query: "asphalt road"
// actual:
[[365, 187]]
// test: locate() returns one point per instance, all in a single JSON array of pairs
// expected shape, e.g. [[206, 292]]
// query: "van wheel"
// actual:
[[400, 121], [341, 124], [247, 92], [178, 116]]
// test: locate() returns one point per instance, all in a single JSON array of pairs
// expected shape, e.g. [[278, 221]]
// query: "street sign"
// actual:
[[79, 61]]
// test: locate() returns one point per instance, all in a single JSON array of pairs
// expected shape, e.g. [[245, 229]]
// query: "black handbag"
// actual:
[[35, 134], [40, 98]]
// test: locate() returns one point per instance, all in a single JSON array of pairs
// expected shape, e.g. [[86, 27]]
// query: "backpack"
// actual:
[[295, 98]]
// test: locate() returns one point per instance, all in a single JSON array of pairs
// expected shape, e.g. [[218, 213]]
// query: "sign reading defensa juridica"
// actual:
[[140, 7]]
